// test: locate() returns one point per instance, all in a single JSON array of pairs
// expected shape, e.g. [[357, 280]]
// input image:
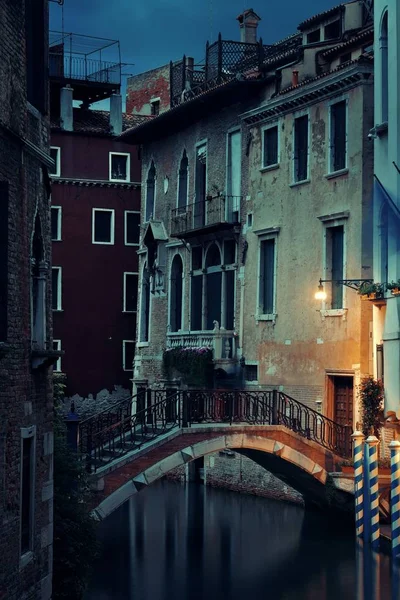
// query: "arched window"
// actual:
[[183, 183], [383, 48], [213, 286], [150, 191], [176, 295], [145, 306]]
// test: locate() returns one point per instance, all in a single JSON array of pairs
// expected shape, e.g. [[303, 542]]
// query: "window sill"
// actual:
[[142, 345], [334, 312], [103, 243], [131, 244], [129, 312], [57, 310], [271, 317], [120, 180], [269, 168], [25, 559], [337, 173], [60, 240], [302, 182]]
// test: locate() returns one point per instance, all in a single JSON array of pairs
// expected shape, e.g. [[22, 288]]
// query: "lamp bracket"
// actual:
[[354, 284]]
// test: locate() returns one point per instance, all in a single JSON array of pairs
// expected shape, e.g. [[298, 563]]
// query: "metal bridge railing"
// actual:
[[121, 428]]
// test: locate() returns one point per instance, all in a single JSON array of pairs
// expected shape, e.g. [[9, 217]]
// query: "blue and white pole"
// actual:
[[372, 461], [358, 439], [395, 497]]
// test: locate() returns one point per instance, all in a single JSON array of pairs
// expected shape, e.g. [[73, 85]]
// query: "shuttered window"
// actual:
[[336, 240], [270, 146], [301, 148], [267, 277], [338, 136], [4, 203]]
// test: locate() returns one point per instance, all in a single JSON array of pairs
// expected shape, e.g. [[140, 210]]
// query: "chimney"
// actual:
[[116, 114], [66, 112], [248, 23], [295, 78]]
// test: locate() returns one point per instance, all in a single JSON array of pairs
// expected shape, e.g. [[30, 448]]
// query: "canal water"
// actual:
[[175, 542]]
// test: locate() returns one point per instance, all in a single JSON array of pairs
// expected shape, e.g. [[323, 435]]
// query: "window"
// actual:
[[383, 48], [56, 288], [233, 176], [314, 36], [335, 263], [332, 31], [55, 154], [4, 208], [183, 183], [57, 346], [27, 488], [212, 293], [251, 373], [145, 306], [132, 228], [176, 294], [155, 107], [103, 226], [199, 213], [119, 166], [36, 62], [338, 136], [267, 277], [56, 223], [270, 146], [130, 292], [301, 148], [128, 354], [150, 191]]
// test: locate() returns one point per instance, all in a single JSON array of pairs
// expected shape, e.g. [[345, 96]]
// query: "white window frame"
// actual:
[[57, 347], [112, 225], [26, 433], [128, 166], [59, 287], [265, 235], [124, 342], [330, 140], [124, 286], [58, 162], [263, 130], [297, 115], [126, 212], [59, 223], [328, 223]]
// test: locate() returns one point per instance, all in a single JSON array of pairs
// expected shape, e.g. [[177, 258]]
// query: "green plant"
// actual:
[[371, 396], [75, 544], [368, 288], [393, 285], [195, 364]]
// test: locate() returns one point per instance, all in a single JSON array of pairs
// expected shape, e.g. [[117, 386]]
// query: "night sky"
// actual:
[[152, 32]]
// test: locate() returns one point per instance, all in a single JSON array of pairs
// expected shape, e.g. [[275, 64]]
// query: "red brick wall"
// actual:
[[142, 88], [25, 394]]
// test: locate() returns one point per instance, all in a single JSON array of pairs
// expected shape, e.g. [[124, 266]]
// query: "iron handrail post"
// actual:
[[275, 416]]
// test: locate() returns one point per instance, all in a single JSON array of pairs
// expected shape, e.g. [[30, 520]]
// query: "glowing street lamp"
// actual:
[[354, 284], [321, 293]]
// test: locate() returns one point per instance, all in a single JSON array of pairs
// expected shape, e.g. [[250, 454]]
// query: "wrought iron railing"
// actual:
[[121, 429], [216, 209], [68, 66]]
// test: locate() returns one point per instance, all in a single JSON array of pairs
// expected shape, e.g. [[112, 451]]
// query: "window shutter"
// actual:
[[4, 202]]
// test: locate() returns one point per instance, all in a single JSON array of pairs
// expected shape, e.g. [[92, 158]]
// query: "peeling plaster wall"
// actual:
[[142, 88]]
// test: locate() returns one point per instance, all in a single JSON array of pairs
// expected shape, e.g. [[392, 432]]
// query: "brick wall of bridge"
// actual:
[[232, 471]]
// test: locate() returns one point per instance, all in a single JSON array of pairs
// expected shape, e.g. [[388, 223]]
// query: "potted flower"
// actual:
[[394, 287], [370, 290]]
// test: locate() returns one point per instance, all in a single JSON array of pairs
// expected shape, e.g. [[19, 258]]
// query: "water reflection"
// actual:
[[196, 543]]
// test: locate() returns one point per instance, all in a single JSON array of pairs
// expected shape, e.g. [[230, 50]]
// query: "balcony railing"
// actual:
[[222, 342], [84, 69], [199, 215]]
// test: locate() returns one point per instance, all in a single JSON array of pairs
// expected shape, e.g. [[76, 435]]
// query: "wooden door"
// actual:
[[343, 400]]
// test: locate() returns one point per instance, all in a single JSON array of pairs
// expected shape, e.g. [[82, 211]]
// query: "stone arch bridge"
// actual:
[[126, 450]]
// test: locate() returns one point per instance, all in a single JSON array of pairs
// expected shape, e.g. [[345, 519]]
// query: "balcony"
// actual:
[[222, 342], [213, 214], [91, 65]]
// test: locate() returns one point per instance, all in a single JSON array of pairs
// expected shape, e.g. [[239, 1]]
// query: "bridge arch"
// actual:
[[303, 461]]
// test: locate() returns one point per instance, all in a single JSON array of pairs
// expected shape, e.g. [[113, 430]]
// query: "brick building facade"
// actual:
[[26, 355]]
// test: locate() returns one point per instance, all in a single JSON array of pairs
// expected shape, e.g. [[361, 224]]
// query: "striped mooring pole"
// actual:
[[358, 439], [395, 497], [371, 448]]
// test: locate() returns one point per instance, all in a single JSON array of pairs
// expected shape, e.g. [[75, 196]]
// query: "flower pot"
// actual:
[[347, 469], [395, 291]]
